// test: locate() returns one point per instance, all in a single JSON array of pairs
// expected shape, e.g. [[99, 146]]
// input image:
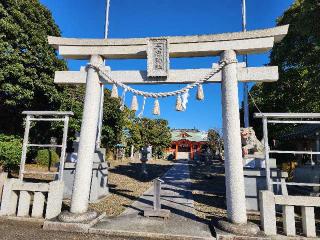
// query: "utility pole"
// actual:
[[245, 59], [106, 31]]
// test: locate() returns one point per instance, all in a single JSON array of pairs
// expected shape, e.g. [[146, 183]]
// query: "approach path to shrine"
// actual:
[[176, 195]]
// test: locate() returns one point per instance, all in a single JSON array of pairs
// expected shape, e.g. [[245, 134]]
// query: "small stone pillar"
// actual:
[[157, 192], [24, 204], [317, 147], [157, 211], [3, 178], [235, 192], [308, 222], [132, 152], [38, 204], [81, 187], [176, 153]]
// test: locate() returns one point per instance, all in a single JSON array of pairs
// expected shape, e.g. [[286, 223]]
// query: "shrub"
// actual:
[[10, 152], [46, 157]]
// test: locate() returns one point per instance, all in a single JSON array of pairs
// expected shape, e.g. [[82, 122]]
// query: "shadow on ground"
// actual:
[[134, 170], [208, 191]]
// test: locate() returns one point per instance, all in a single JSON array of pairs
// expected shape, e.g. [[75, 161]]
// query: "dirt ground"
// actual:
[[208, 189], [18, 230], [125, 182]]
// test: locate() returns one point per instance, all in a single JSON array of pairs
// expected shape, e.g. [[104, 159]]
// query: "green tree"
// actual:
[[10, 152], [215, 141], [27, 67], [298, 58], [144, 131], [27, 62], [47, 158], [114, 120]]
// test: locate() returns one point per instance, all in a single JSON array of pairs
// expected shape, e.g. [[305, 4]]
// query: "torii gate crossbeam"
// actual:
[[249, 42]]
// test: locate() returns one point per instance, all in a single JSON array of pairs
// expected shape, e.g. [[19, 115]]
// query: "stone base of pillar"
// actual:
[[70, 222], [70, 217], [161, 213], [249, 229]]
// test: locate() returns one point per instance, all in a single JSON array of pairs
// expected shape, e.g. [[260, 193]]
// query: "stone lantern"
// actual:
[[146, 155]]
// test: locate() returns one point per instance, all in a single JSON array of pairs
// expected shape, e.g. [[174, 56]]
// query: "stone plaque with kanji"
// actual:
[[158, 57]]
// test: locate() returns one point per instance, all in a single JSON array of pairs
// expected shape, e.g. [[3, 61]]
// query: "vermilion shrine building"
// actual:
[[187, 143]]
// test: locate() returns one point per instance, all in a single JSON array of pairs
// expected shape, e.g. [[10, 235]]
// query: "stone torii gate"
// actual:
[[227, 46]]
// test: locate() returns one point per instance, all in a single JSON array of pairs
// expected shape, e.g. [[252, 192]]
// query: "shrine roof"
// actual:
[[192, 135]]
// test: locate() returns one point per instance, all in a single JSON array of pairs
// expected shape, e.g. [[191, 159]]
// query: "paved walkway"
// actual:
[[176, 196]]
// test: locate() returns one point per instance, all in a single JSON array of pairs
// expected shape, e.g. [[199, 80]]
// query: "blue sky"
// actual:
[[152, 18]]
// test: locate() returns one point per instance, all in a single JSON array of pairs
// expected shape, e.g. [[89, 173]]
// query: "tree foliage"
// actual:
[[298, 58], [144, 131], [47, 157], [10, 152], [114, 120], [27, 62], [27, 67], [215, 141]]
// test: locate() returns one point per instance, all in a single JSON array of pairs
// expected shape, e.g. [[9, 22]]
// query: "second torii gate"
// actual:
[[227, 46]]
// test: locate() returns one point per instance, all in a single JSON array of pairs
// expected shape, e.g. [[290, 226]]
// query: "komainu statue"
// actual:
[[250, 143]]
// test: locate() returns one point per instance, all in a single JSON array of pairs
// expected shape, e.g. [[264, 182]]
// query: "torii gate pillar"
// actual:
[[81, 186], [235, 192]]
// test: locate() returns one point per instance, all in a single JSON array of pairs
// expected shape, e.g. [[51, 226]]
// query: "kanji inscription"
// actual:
[[158, 57]]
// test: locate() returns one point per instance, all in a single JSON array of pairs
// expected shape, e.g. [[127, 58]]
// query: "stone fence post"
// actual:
[[3, 178]]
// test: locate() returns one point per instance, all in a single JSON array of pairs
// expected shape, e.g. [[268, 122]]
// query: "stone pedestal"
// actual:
[[255, 181], [70, 222], [258, 162], [225, 230], [99, 179]]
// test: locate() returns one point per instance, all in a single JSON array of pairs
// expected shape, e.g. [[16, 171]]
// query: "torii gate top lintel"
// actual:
[[249, 42]]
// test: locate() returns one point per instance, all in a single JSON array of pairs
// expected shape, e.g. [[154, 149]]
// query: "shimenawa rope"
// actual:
[[103, 72]]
